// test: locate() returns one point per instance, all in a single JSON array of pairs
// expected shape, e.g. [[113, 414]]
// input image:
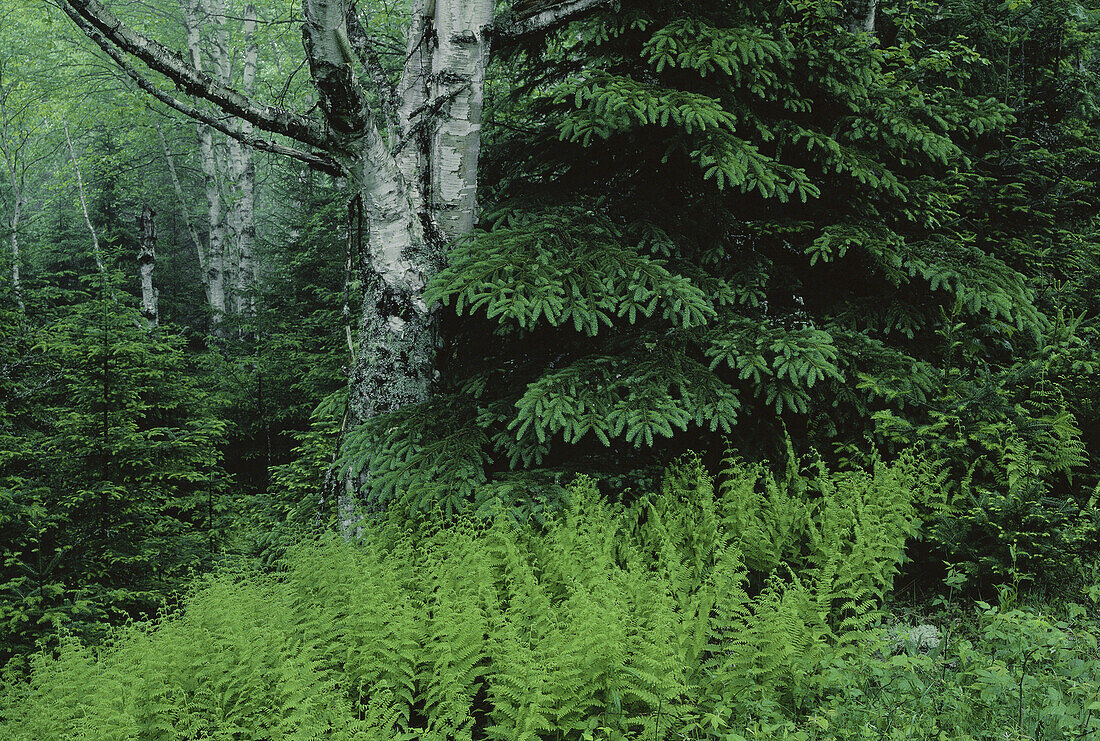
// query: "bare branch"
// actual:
[[528, 19], [112, 34], [317, 161]]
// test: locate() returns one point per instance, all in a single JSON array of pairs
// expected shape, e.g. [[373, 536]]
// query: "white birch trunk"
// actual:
[[12, 148], [212, 253], [215, 239], [147, 262], [14, 223], [84, 202], [242, 169], [16, 282], [459, 65]]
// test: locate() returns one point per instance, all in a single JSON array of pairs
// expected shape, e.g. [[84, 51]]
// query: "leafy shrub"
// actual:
[[1021, 675]]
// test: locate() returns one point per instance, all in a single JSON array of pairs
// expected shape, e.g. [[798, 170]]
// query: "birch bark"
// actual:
[[12, 149], [212, 252], [861, 16], [16, 281], [14, 222], [147, 262], [242, 169]]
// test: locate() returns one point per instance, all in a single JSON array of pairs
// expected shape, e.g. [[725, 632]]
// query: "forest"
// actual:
[[550, 370]]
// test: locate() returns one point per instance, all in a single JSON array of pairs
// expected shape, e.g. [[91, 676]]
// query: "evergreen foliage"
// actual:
[[110, 478], [704, 215]]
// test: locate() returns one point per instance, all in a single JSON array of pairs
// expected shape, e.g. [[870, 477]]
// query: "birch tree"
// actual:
[[407, 151], [147, 263], [18, 133], [12, 147]]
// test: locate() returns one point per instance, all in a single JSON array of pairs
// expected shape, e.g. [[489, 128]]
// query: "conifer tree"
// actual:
[[707, 220]]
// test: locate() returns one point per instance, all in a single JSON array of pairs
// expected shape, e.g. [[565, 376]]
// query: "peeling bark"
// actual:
[[147, 262], [458, 78]]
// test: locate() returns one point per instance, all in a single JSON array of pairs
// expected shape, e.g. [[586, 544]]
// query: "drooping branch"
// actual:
[[534, 17], [114, 35], [313, 159]]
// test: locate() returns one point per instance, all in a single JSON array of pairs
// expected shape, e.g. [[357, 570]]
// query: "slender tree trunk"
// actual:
[[212, 257], [242, 171], [13, 150], [215, 239], [84, 202], [147, 262], [16, 213]]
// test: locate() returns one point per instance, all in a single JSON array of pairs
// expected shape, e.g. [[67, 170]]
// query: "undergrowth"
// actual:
[[746, 609]]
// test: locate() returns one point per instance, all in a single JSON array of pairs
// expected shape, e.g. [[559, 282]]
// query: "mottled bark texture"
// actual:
[[211, 251], [242, 171], [227, 164], [147, 263]]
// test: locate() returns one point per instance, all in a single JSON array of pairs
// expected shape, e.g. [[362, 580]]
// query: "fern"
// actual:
[[640, 618]]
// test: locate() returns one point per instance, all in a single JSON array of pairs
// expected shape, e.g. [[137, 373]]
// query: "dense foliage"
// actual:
[[110, 484], [746, 610], [756, 227], [749, 220]]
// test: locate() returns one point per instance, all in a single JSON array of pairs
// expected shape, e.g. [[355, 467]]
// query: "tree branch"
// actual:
[[113, 35], [544, 16], [316, 161]]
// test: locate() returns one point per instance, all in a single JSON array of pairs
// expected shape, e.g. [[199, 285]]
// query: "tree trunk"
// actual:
[[242, 175], [861, 16], [96, 252], [16, 282], [12, 148], [212, 252], [147, 262]]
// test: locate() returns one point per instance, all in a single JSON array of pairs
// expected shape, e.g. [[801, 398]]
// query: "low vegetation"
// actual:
[[747, 608]]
